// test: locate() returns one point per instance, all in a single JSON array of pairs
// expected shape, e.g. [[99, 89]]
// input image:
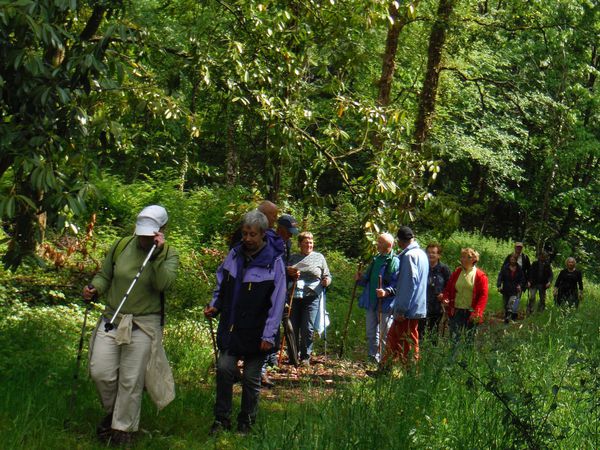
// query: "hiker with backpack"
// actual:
[[249, 298], [378, 276], [126, 351]]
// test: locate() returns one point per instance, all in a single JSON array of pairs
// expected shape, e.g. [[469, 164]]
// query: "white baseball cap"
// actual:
[[150, 220]]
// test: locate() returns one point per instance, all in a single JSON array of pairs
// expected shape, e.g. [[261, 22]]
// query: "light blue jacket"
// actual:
[[411, 288]]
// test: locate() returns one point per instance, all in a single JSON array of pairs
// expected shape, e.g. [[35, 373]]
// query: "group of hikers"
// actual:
[[260, 283], [518, 275]]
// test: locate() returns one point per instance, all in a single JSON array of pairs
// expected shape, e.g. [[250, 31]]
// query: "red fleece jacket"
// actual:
[[480, 293]]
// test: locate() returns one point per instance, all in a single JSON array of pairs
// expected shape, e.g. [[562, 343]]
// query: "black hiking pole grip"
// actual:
[[212, 337], [288, 333], [110, 325]]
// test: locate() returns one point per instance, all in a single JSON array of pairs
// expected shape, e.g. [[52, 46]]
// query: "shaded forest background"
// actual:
[[442, 114]]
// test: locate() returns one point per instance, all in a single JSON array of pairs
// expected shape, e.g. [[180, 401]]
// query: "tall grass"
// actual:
[[533, 384]]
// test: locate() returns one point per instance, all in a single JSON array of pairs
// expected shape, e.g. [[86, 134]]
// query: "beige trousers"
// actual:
[[119, 371]]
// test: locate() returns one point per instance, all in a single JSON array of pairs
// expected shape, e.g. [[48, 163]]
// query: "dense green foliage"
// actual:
[[482, 116], [476, 122]]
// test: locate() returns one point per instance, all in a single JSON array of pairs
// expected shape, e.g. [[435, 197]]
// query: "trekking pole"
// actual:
[[280, 356], [324, 322], [110, 325], [325, 339], [341, 352], [379, 301], [444, 321], [212, 338], [79, 353]]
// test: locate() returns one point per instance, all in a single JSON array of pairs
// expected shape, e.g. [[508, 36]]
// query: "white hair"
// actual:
[[388, 238], [257, 219]]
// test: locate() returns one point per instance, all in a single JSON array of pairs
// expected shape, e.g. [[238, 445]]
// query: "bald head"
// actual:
[[385, 242], [270, 210]]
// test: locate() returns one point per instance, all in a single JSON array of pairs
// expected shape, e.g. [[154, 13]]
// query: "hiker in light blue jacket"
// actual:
[[410, 303]]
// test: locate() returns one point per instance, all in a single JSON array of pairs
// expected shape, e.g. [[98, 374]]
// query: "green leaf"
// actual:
[[21, 3], [44, 97], [10, 207], [64, 96], [27, 201]]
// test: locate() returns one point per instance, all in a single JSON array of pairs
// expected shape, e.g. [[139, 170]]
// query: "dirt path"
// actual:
[[325, 374]]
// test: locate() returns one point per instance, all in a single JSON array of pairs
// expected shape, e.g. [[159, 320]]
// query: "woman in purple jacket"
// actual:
[[249, 297]]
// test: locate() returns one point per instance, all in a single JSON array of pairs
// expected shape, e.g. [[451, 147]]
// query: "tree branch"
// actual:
[[93, 23]]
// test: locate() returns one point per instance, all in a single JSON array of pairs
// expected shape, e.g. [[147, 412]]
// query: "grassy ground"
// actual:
[[532, 384]]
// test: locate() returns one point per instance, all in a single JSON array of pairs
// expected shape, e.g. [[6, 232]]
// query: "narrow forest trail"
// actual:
[[327, 373]]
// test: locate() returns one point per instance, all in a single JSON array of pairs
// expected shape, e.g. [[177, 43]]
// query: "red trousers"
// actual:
[[402, 337]]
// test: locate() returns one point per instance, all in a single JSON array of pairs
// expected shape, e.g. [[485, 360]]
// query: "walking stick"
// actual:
[[79, 353], [379, 318], [212, 338], [324, 321], [444, 322], [280, 356], [341, 352], [110, 325]]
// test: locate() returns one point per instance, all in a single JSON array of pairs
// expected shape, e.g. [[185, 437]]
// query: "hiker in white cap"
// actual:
[[135, 274]]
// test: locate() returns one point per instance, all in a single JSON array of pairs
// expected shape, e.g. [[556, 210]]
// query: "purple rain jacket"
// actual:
[[250, 297]]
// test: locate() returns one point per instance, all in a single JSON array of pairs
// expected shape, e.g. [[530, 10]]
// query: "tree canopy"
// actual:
[[480, 115]]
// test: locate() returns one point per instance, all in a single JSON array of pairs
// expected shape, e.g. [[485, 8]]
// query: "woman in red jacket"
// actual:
[[466, 295]]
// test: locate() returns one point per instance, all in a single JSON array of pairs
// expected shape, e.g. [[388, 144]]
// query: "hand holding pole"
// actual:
[[110, 325], [208, 313]]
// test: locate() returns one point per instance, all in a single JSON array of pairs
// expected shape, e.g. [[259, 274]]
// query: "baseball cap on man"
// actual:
[[405, 234], [289, 222], [518, 244], [150, 220]]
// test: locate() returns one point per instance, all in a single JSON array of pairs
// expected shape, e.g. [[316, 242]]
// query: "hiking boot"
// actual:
[[219, 425], [103, 430], [373, 373], [371, 359], [266, 382], [244, 428], [118, 438], [382, 370], [377, 373]]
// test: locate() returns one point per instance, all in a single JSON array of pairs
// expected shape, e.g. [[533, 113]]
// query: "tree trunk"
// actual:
[[274, 186], [231, 160], [437, 39], [185, 163], [400, 19], [27, 229]]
